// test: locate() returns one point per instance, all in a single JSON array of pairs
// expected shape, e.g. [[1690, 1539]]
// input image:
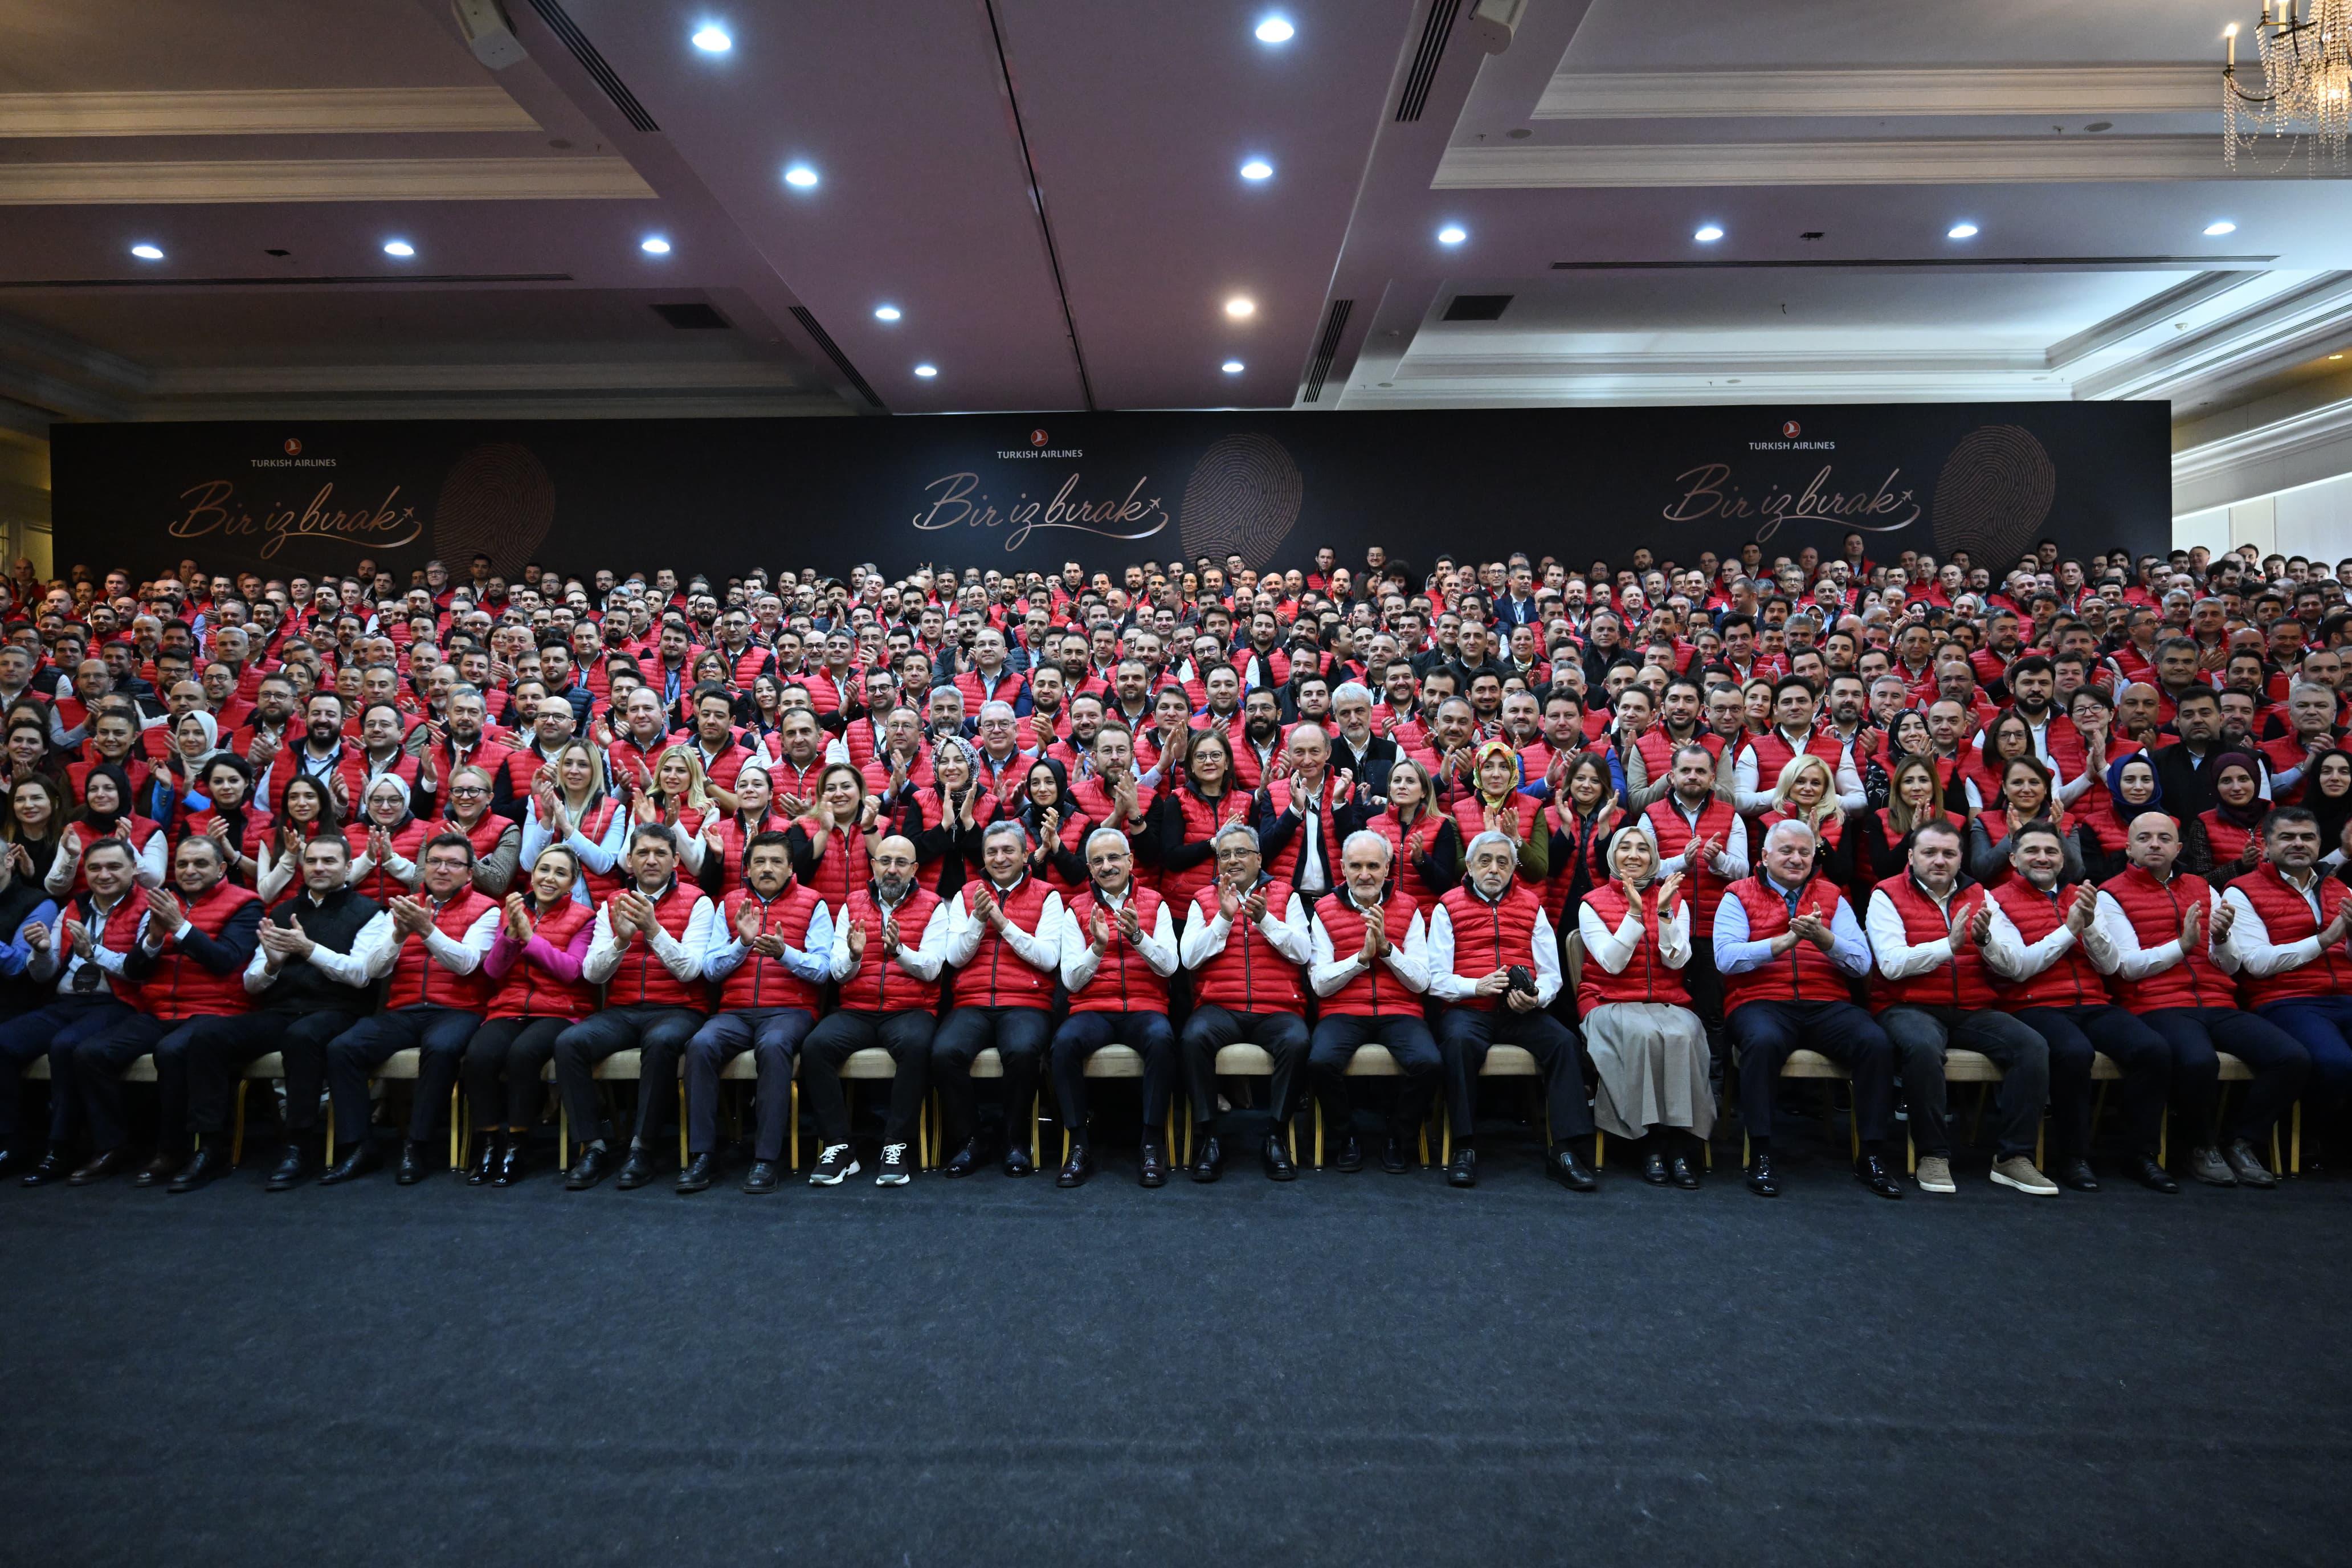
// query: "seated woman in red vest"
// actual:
[[385, 841], [1806, 791], [1583, 816], [2223, 843], [1981, 768], [1057, 829], [229, 816], [2027, 794], [714, 856], [1649, 1050], [1424, 843], [497, 840], [1188, 813], [306, 809], [568, 805], [105, 813], [944, 821], [2133, 790], [534, 963]]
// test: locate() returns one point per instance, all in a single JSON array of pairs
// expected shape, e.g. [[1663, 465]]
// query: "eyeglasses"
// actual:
[[466, 789]]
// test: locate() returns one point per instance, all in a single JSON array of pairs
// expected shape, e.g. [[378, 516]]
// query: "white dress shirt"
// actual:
[[1891, 948], [1438, 959], [1079, 960], [1406, 960], [922, 959], [2006, 952], [2249, 939], [372, 950], [1730, 862], [2115, 948], [1613, 950], [681, 956], [1285, 930], [1041, 950]]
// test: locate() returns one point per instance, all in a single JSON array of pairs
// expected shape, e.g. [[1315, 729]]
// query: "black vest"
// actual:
[[301, 986]]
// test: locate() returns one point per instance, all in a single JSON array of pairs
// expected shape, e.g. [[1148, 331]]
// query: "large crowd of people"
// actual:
[[1658, 827]]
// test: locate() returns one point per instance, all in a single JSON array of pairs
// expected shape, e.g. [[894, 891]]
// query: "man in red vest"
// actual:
[[2041, 968], [77, 952], [2162, 938], [1118, 949], [888, 946], [1927, 931], [1245, 943], [2293, 964], [1368, 967], [1789, 949], [434, 1003], [1005, 942]]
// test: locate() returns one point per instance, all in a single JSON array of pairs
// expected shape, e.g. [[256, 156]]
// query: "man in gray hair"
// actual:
[[1246, 939]]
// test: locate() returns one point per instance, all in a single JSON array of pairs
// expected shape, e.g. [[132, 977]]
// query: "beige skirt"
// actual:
[[1652, 1061]]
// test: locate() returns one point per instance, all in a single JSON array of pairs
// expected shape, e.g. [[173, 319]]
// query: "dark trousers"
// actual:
[[1922, 1035], [1019, 1036], [2321, 1026], [220, 1048], [1336, 1038], [773, 1036], [53, 1031], [1766, 1033], [512, 1052], [2278, 1063], [1706, 988], [1148, 1035], [907, 1036], [2072, 1035], [1211, 1028], [1464, 1036], [99, 1061], [657, 1034], [439, 1037]]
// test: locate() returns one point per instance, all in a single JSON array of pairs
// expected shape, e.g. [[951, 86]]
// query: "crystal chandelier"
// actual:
[[2306, 52]]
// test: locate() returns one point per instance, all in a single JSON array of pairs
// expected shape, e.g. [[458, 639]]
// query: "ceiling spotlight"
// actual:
[[1258, 169], [400, 247], [712, 39], [1709, 235], [1239, 306], [927, 371], [654, 245], [886, 312], [148, 252], [801, 175], [1275, 29], [2218, 227], [1452, 234], [1961, 231], [1233, 366]]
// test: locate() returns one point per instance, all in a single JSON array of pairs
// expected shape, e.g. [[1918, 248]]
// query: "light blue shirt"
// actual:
[[1734, 954]]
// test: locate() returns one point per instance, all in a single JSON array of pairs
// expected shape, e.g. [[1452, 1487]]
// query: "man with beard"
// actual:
[[1262, 664], [1682, 711], [890, 944], [1257, 745], [716, 745], [2186, 771], [1849, 731], [1075, 751], [2032, 690], [1005, 936], [1356, 750], [324, 756]]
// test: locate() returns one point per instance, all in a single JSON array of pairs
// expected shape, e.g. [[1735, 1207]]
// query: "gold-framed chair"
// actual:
[[1371, 1060], [1242, 1059], [873, 1064], [989, 1063], [401, 1067], [1502, 1061], [1123, 1061], [1805, 1064]]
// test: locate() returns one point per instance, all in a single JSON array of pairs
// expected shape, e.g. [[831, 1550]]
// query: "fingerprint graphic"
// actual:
[[1242, 500], [1994, 495], [498, 501]]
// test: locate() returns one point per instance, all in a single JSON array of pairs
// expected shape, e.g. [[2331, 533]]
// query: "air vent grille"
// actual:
[[823, 339], [561, 24], [1477, 307], [1423, 74], [1326, 347]]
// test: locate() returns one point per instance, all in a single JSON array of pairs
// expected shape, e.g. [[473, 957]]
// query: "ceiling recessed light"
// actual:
[[1452, 234], [654, 245], [1275, 29], [712, 39], [927, 371], [398, 247], [2219, 226], [1239, 306], [1961, 231], [148, 252], [1233, 366], [1258, 169], [1709, 235], [886, 312], [801, 175]]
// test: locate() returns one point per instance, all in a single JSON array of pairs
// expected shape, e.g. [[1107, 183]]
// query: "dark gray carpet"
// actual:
[[1363, 1369]]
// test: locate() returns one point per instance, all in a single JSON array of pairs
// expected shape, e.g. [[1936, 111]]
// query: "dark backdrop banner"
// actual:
[[718, 496]]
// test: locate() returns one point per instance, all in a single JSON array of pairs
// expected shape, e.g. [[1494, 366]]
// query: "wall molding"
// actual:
[[1973, 161], [2068, 92], [301, 111], [183, 183], [2286, 453]]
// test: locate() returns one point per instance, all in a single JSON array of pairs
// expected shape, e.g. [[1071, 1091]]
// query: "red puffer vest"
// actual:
[[2072, 980], [1645, 977], [526, 991], [1122, 981], [1490, 936], [1411, 895], [1284, 868], [1248, 976], [1701, 883], [841, 866], [761, 982], [179, 987], [1201, 822], [1376, 993], [726, 840], [417, 978], [1804, 972], [642, 978], [1773, 753], [380, 884], [2288, 920], [997, 976], [2227, 840], [2155, 911], [1964, 981], [881, 984]]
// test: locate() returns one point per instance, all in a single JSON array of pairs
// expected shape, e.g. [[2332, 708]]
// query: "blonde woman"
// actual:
[[1806, 791], [1649, 1050]]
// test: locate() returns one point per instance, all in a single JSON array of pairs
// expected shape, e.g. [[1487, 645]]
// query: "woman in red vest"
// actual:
[[1424, 843], [1915, 795], [714, 855], [1581, 816], [1057, 827], [497, 840], [1189, 814], [2226, 842], [534, 960], [106, 813], [2027, 794], [1649, 1050], [229, 816], [305, 810], [385, 841]]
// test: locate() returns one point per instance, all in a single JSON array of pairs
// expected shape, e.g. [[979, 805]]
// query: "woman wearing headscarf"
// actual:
[[1495, 805], [106, 813], [2227, 841], [176, 788], [1649, 1050], [1057, 829], [2133, 790], [386, 841]]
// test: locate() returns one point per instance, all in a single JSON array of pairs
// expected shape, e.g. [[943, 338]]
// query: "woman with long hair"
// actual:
[[2225, 842], [106, 812], [1907, 736], [1806, 791], [1057, 828], [2006, 739], [497, 840], [306, 809], [386, 839], [225, 812], [542, 939], [1187, 816], [569, 805], [1424, 843], [715, 854], [1581, 816], [2327, 793], [35, 826], [2028, 794], [27, 753], [1915, 795], [1649, 1050], [679, 794]]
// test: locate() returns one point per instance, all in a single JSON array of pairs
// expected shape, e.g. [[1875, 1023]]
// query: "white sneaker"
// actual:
[[1936, 1175], [2018, 1171], [894, 1172]]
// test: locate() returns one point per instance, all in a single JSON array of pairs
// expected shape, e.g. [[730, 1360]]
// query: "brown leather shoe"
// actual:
[[104, 1163]]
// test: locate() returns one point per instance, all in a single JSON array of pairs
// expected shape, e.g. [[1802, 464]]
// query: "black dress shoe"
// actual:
[[1653, 1168], [1351, 1157], [52, 1167], [361, 1159], [2076, 1173], [1076, 1168], [1463, 1170], [1565, 1166], [293, 1169], [1393, 1155], [411, 1163], [1276, 1158], [100, 1166], [1870, 1171], [698, 1171], [1762, 1180], [967, 1159], [1683, 1174], [1209, 1162], [210, 1162], [595, 1164], [2153, 1176], [1017, 1161], [1155, 1165], [766, 1176], [513, 1161], [636, 1171], [485, 1160], [160, 1169]]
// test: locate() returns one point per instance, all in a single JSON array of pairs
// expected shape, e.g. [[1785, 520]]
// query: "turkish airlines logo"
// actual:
[[1790, 430], [1038, 439], [293, 446]]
